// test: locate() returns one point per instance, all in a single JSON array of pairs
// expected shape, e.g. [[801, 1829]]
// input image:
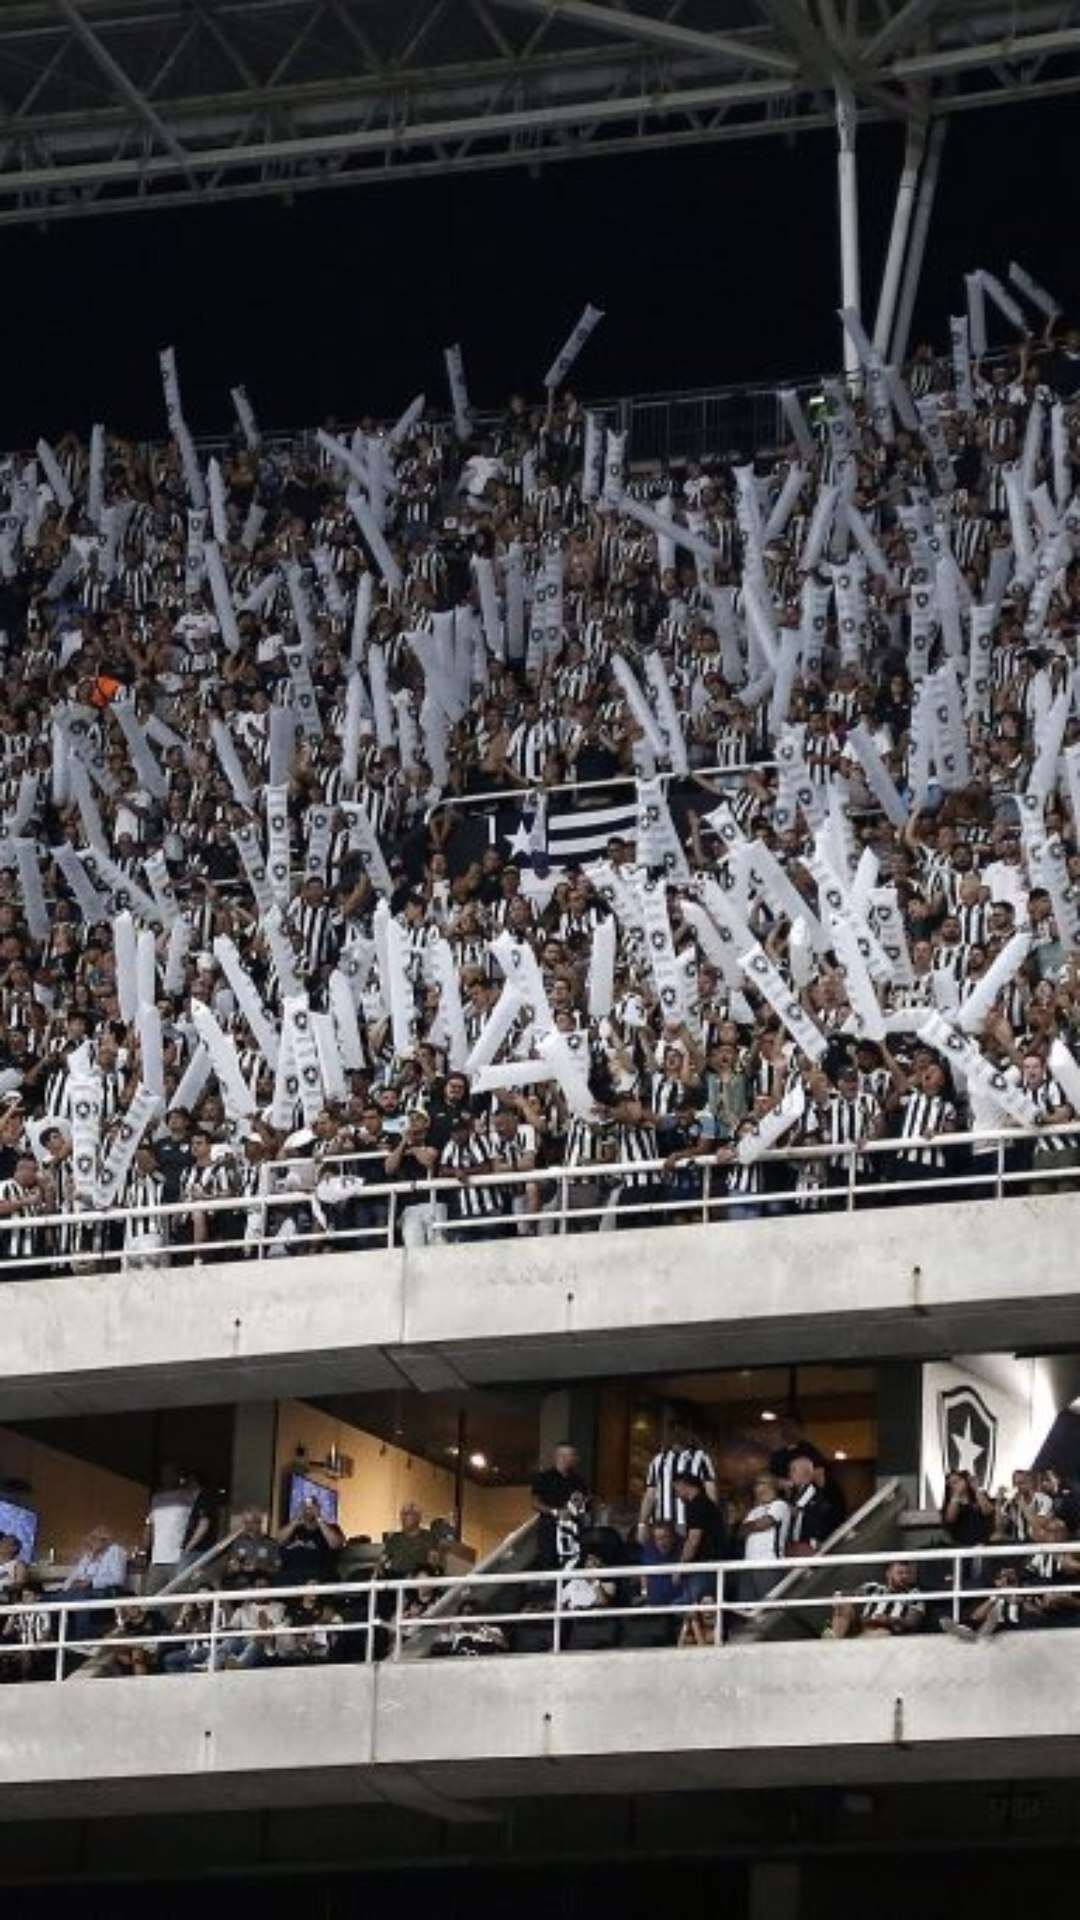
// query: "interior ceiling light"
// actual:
[[768, 1414], [478, 1460]]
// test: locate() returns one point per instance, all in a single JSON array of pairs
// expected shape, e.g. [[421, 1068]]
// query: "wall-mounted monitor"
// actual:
[[23, 1523], [300, 1488]]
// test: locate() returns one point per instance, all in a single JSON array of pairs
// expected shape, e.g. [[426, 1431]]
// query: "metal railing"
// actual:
[[551, 1199], [378, 1614], [498, 796]]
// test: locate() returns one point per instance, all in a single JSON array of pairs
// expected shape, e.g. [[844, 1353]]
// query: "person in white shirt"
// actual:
[[166, 1530], [99, 1573], [255, 1617], [764, 1534]]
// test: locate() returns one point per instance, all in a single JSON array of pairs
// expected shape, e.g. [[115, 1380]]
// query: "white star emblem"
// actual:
[[967, 1449], [521, 841]]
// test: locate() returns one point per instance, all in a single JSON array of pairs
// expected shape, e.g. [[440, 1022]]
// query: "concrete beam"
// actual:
[[912, 1282], [494, 1730]]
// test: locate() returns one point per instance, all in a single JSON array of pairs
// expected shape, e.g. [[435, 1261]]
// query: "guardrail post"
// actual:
[[706, 1192], [391, 1220], [369, 1651], [398, 1595], [851, 1168], [563, 1222], [556, 1638], [999, 1184], [956, 1588], [718, 1629], [215, 1621], [61, 1641]]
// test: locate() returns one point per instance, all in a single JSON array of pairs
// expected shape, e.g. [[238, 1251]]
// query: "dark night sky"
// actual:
[[714, 264]]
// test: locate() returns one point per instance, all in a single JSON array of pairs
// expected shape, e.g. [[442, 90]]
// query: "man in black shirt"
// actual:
[[706, 1529], [705, 1539], [818, 1506], [561, 1498], [415, 1159]]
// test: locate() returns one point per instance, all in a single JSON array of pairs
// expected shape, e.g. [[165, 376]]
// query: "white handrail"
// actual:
[[494, 796], [845, 1157], [722, 1573]]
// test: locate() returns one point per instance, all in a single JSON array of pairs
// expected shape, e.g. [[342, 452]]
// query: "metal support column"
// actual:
[[924, 207], [848, 183], [898, 237]]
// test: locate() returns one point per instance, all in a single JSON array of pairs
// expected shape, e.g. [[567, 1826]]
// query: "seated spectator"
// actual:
[[889, 1606], [313, 1622], [1052, 1570], [197, 1653], [586, 1595], [13, 1569], [309, 1547], [257, 1618], [99, 1573], [1004, 1610], [468, 1637], [126, 1652], [25, 1653]]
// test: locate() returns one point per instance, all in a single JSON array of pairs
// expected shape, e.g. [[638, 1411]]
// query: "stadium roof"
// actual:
[[120, 105]]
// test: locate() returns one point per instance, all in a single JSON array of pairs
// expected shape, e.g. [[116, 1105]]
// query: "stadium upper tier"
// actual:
[[474, 806]]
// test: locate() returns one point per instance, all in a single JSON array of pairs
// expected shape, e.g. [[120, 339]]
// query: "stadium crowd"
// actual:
[[301, 1594], [491, 803]]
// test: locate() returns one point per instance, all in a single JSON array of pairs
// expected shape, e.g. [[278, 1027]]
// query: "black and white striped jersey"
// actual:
[[663, 1470]]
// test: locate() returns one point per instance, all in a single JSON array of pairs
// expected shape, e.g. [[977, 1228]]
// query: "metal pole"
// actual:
[[851, 1158], [398, 1592], [999, 1183], [372, 1596], [718, 1630], [459, 1474], [848, 182], [924, 207], [215, 1621], [61, 1637], [956, 1588], [898, 237], [556, 1638]]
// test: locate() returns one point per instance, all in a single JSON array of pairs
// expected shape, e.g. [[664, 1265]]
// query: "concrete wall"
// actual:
[[468, 1731], [919, 1281], [384, 1477], [70, 1496]]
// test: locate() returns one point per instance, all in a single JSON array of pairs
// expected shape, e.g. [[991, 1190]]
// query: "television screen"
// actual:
[[301, 1489], [23, 1523]]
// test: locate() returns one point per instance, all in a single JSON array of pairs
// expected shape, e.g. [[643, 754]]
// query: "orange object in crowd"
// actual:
[[104, 690]]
